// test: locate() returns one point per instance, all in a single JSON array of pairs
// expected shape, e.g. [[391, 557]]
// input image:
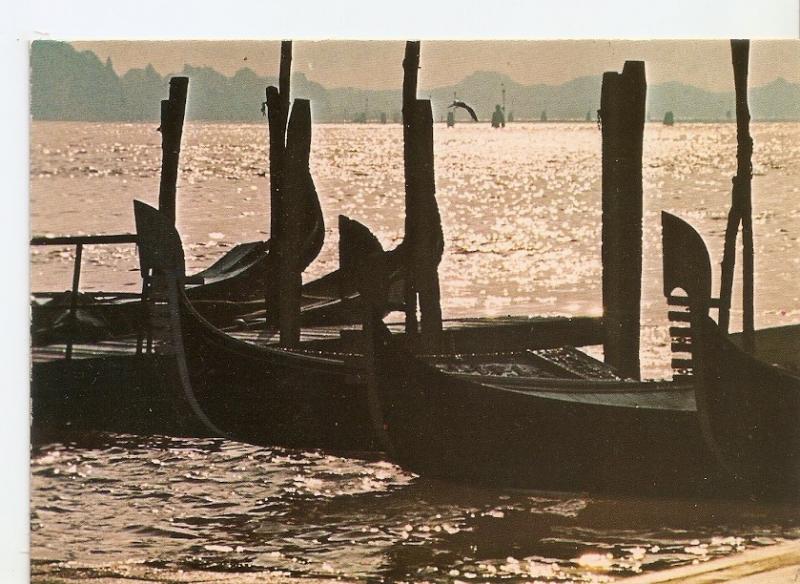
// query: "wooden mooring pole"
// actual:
[[297, 180], [277, 117], [173, 111], [425, 224], [410, 72], [622, 112], [741, 206]]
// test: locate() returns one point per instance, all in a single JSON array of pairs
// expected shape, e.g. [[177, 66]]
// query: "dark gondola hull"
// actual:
[[748, 404], [447, 427], [269, 396], [750, 411]]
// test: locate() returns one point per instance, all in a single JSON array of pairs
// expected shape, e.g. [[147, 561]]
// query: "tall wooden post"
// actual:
[[172, 114], [277, 116], [741, 205], [425, 224], [410, 71], [297, 181], [622, 111]]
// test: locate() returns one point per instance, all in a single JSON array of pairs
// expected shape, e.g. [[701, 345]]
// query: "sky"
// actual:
[[377, 64]]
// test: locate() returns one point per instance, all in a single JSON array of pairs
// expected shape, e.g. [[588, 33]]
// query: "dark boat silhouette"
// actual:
[[305, 397], [732, 427], [748, 404]]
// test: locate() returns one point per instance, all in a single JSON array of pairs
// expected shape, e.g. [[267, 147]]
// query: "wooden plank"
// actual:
[[778, 563], [84, 239]]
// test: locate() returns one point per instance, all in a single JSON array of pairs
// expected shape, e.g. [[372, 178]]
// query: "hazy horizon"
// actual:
[[377, 65]]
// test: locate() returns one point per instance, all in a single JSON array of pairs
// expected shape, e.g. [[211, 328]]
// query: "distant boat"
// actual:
[[669, 119]]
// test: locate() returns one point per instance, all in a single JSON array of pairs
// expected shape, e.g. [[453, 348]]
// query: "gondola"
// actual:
[[748, 404], [256, 394], [231, 286], [501, 419], [303, 397], [527, 427], [232, 289]]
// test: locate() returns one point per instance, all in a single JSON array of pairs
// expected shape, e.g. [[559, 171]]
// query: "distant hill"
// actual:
[[71, 85]]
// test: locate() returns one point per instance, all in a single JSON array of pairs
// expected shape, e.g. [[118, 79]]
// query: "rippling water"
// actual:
[[521, 212], [189, 504]]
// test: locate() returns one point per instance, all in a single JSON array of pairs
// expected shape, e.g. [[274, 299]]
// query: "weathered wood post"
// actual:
[[622, 111], [73, 300], [172, 114], [297, 181], [410, 71], [741, 205], [425, 225], [277, 117]]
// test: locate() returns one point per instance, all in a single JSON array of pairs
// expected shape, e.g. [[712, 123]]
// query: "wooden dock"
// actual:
[[778, 564]]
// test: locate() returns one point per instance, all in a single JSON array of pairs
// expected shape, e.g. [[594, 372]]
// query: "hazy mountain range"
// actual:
[[71, 85]]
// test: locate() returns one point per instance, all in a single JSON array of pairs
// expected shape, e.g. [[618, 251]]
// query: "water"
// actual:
[[521, 212], [213, 505]]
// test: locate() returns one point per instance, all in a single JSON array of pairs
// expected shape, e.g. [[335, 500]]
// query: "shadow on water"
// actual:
[[220, 506]]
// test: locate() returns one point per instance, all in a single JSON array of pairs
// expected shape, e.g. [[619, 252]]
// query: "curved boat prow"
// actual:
[[161, 252], [748, 408], [372, 281], [687, 265], [159, 244], [243, 272], [356, 242]]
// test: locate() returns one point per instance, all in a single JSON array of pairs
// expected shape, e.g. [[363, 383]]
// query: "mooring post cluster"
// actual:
[[289, 146], [741, 205]]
